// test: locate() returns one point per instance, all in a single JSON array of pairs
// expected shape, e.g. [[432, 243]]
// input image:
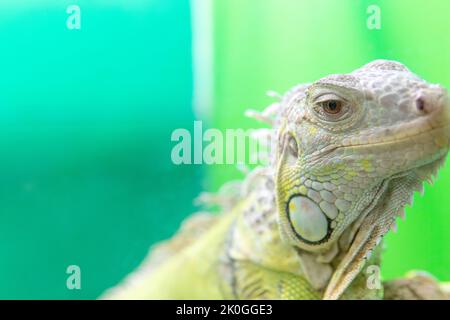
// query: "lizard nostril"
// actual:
[[420, 104], [429, 102]]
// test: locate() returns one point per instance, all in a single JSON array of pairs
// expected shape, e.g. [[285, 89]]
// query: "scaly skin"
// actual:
[[350, 150]]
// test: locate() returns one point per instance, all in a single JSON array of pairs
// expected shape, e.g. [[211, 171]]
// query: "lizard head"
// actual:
[[352, 149]]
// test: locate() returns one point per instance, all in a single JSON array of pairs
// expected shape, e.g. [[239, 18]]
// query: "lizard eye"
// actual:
[[332, 106]]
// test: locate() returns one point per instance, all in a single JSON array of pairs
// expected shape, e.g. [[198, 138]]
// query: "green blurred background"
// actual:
[[86, 118]]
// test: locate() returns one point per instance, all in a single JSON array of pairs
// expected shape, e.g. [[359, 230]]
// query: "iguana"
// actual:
[[349, 151]]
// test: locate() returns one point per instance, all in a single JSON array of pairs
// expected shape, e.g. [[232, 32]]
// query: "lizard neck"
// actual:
[[256, 236]]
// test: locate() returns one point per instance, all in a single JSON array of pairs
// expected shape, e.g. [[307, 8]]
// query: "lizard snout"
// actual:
[[431, 101]]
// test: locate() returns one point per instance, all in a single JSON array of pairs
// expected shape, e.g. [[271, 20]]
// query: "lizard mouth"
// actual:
[[440, 139], [400, 144]]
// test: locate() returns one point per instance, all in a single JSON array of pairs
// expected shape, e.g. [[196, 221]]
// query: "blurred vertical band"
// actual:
[[202, 58]]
